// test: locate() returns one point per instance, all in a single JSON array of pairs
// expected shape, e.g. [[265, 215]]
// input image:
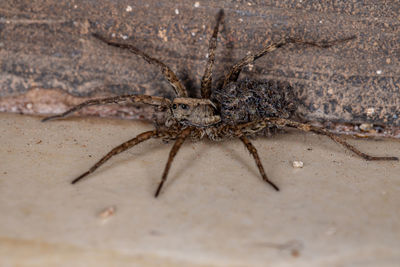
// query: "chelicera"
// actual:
[[235, 109]]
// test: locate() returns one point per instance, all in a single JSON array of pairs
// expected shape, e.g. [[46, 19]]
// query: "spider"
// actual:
[[235, 109]]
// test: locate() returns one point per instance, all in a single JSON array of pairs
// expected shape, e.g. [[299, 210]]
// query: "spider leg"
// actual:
[[233, 74], [177, 145], [145, 99], [253, 151], [178, 87], [207, 79], [121, 148], [320, 130]]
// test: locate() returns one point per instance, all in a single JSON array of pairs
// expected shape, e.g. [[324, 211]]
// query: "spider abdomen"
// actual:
[[248, 100]]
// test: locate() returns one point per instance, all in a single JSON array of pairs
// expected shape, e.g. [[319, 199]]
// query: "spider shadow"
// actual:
[[249, 165], [155, 147], [189, 161]]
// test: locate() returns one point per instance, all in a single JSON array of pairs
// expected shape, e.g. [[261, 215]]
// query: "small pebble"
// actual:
[[107, 213], [297, 164]]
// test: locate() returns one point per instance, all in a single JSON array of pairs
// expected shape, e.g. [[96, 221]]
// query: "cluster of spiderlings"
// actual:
[[247, 100]]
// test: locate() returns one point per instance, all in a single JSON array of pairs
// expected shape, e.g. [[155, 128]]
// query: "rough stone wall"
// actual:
[[49, 61]]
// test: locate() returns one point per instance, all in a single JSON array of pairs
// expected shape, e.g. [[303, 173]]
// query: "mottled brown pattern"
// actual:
[[264, 105], [177, 145], [48, 45], [206, 81], [178, 87], [144, 99]]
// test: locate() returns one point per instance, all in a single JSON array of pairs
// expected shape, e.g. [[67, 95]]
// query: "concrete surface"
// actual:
[[338, 210]]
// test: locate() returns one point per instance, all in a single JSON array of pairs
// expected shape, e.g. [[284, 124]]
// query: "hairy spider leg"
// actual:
[[178, 87], [319, 130], [235, 70], [253, 151], [145, 99], [206, 81], [174, 150], [116, 150]]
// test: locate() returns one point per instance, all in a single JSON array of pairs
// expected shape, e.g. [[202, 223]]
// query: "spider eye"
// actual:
[[184, 106], [174, 106]]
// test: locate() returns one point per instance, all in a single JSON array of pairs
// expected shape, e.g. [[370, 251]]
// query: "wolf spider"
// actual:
[[235, 109]]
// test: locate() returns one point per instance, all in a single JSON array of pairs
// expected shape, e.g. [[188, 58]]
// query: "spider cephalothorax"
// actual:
[[194, 112], [236, 109]]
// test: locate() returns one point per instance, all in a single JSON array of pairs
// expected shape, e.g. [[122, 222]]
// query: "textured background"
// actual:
[[48, 61]]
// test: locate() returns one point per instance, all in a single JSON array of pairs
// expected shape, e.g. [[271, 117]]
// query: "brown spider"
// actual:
[[236, 109]]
